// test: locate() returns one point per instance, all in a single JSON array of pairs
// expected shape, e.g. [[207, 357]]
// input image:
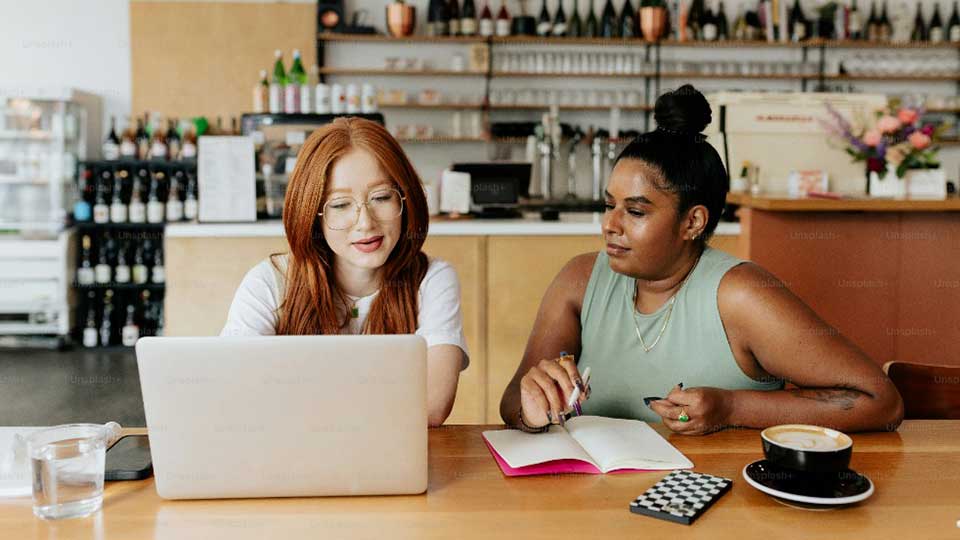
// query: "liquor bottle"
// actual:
[[919, 32], [174, 205], [138, 210], [708, 25], [468, 19], [118, 210], [142, 139], [559, 28], [695, 21], [486, 20], [188, 146], [159, 275], [591, 28], [741, 30], [544, 26], [111, 145], [101, 211], [886, 28], [453, 10], [90, 329], [121, 272], [103, 273], [575, 26], [627, 24], [855, 22], [173, 139], [155, 209], [936, 33], [158, 144], [261, 93], [148, 324], [438, 20], [608, 21], [82, 211], [797, 23], [873, 24], [130, 332], [723, 25], [953, 27], [85, 273], [503, 20], [190, 206], [140, 274], [106, 325], [128, 142], [276, 85]]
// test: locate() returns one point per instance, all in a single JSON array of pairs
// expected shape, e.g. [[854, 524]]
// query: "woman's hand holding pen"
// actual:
[[706, 409], [546, 389]]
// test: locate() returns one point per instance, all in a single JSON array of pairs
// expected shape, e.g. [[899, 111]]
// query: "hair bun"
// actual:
[[683, 110]]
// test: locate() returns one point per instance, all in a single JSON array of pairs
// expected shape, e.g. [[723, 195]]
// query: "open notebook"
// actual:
[[588, 444]]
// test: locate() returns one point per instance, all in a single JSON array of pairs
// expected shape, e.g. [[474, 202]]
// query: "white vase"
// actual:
[[890, 185], [927, 183]]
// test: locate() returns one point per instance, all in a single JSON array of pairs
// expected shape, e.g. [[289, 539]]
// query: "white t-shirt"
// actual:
[[255, 307]]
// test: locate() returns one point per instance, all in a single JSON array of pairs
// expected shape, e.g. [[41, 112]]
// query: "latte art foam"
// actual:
[[808, 439]]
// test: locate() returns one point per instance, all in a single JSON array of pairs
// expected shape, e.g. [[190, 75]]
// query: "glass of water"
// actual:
[[67, 465]]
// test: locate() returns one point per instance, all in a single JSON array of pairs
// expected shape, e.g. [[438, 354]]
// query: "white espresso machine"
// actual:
[[783, 132]]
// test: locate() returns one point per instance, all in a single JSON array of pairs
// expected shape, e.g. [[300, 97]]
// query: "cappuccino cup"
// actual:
[[807, 448]]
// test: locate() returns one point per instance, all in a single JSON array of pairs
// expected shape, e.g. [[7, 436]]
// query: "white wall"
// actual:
[[80, 44]]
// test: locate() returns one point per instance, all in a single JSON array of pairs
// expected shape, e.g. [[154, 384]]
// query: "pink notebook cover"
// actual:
[[560, 466]]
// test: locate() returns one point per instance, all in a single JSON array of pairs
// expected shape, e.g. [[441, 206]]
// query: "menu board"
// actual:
[[226, 179]]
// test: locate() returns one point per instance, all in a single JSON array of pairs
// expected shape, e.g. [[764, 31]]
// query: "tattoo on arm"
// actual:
[[843, 398]]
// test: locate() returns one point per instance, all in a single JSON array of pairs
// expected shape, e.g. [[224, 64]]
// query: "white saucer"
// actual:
[[750, 474]]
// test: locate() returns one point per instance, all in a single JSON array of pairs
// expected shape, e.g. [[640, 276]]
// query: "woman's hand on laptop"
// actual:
[[546, 388]]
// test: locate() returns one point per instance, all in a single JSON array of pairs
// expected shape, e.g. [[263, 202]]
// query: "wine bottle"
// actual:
[[575, 26], [438, 20], [142, 139], [85, 272], [276, 85], [158, 274], [121, 272], [173, 139], [559, 28], [468, 19], [188, 148], [432, 18], [128, 143], [953, 27], [130, 332], [82, 211], [695, 21], [106, 325], [90, 329], [138, 210], [261, 93], [723, 24], [709, 25], [190, 206], [155, 208], [291, 91], [503, 20], [873, 24], [591, 28], [103, 272], [886, 28], [174, 205], [140, 274], [111, 145], [543, 22], [627, 25], [936, 32], [486, 20], [797, 23], [453, 10], [148, 319], [855, 22], [118, 210], [101, 210], [608, 21], [919, 32]]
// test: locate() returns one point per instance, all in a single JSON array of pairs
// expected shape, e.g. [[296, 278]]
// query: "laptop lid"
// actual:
[[285, 416]]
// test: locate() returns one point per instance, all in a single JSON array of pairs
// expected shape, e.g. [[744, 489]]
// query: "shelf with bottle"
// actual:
[[148, 140], [136, 192], [113, 318], [385, 38], [124, 258], [377, 72]]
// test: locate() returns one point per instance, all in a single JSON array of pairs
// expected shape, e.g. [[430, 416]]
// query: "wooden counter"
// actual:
[[884, 272], [914, 471]]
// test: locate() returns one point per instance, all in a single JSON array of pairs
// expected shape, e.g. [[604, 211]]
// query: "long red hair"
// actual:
[[310, 301]]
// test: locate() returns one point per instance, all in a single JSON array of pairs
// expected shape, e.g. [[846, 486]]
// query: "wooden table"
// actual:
[[916, 472]]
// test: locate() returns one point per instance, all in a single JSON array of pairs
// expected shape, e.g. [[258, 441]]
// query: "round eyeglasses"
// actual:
[[343, 212]]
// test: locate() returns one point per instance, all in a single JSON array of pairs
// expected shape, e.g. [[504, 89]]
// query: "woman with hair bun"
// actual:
[[661, 314], [355, 217]]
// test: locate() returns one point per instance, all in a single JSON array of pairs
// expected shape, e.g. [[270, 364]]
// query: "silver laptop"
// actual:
[[285, 416]]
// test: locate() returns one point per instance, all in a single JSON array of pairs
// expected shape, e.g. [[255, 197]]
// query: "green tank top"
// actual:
[[693, 349]]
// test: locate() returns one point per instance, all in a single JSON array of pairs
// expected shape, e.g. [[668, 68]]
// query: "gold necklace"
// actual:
[[672, 301]]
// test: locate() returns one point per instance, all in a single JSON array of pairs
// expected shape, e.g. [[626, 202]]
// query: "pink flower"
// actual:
[[919, 140], [872, 137], [908, 116], [928, 130], [888, 124]]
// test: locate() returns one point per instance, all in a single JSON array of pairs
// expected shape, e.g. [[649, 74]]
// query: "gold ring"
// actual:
[[683, 416]]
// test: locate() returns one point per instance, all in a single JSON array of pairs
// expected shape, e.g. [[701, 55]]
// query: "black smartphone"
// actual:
[[129, 459]]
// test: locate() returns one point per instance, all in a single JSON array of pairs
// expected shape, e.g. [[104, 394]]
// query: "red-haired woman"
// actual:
[[355, 217]]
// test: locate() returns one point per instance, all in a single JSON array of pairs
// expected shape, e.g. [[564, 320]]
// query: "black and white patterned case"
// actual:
[[681, 496]]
